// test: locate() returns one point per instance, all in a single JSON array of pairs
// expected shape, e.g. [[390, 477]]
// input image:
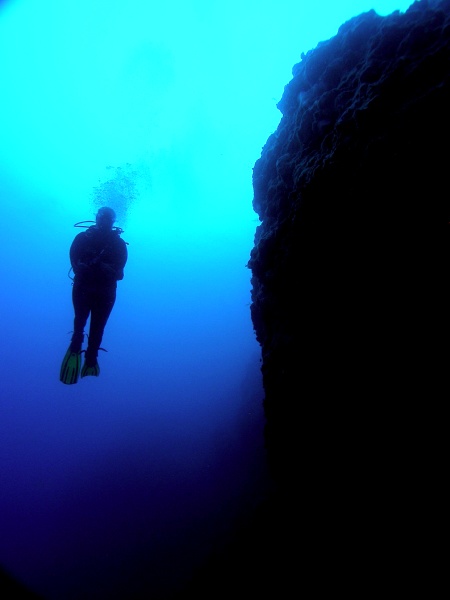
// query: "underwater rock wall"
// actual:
[[350, 271], [350, 305]]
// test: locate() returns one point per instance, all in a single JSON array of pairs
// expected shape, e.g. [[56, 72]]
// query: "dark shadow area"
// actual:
[[351, 295], [11, 589]]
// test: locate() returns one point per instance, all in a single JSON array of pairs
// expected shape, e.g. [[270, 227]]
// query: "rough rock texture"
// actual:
[[350, 305]]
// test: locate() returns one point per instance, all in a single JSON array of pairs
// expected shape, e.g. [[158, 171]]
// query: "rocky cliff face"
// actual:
[[350, 304], [350, 271]]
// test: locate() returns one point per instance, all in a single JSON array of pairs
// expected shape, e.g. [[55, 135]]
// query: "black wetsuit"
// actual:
[[98, 257]]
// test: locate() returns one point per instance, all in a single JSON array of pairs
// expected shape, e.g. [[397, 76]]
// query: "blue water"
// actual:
[[141, 470], [127, 481]]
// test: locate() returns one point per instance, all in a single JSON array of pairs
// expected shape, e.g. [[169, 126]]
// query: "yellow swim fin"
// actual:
[[93, 370], [70, 367]]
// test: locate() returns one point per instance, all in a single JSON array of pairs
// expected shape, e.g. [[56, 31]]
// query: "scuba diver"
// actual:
[[97, 257]]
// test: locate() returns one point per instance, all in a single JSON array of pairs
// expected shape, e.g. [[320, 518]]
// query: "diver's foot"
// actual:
[[70, 367], [90, 369]]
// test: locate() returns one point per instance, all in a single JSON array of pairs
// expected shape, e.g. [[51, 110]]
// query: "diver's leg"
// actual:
[[101, 308], [81, 306]]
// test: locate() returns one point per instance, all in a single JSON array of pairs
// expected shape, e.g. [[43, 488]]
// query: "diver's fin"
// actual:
[[92, 370], [70, 367]]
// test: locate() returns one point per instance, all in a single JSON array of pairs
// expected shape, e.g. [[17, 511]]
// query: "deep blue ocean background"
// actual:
[[129, 480], [151, 461]]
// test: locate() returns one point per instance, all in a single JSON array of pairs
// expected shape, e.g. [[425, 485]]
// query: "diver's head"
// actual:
[[105, 218]]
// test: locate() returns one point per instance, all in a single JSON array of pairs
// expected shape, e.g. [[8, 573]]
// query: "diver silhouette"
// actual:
[[98, 257]]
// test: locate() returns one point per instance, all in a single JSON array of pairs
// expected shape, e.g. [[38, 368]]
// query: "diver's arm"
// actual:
[[122, 257], [76, 250]]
